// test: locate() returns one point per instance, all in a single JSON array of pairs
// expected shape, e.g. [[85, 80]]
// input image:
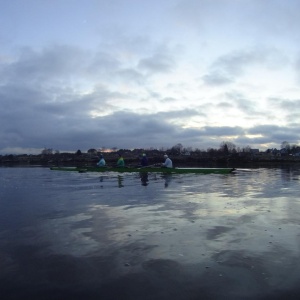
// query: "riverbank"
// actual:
[[132, 159]]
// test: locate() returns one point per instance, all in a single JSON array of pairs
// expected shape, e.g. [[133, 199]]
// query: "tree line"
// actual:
[[225, 148]]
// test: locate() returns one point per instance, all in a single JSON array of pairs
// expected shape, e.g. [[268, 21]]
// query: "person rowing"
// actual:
[[144, 160], [168, 162], [101, 162], [120, 162]]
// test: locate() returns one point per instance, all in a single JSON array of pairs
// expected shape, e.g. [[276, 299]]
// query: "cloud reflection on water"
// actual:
[[241, 228]]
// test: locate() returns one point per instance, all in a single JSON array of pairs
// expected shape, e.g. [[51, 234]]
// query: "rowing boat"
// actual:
[[147, 170]]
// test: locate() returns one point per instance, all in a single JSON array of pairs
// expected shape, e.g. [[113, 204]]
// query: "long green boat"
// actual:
[[147, 170]]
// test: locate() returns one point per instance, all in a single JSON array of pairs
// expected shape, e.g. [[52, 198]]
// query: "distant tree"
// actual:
[[212, 152], [246, 149], [197, 150], [47, 151], [295, 149], [78, 152], [124, 150], [224, 148], [92, 151], [227, 147], [286, 146], [187, 150], [176, 149]]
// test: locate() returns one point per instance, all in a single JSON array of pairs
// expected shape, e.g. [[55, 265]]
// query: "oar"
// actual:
[[150, 166]]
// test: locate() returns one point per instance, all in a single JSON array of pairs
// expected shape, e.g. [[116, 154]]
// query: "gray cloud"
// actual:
[[131, 75], [225, 105], [244, 141], [125, 130], [227, 68], [251, 19], [40, 121], [160, 63], [277, 134], [102, 63], [288, 104], [185, 113], [288, 108], [222, 131], [245, 105], [217, 77], [55, 64]]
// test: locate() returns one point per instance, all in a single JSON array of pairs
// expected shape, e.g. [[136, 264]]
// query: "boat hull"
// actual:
[[147, 170]]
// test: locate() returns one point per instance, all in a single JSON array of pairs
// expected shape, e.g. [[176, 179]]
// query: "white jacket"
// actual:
[[168, 163]]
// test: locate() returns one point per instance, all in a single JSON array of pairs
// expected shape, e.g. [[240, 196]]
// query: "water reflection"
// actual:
[[290, 173], [167, 178], [144, 178], [120, 181], [101, 178], [239, 232]]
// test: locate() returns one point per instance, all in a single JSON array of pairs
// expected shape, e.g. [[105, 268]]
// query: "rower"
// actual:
[[101, 162], [144, 160], [120, 162], [168, 162]]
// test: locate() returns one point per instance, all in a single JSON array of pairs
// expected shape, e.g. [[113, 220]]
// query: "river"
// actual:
[[66, 235]]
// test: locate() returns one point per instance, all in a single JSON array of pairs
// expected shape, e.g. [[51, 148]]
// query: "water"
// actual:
[[66, 235]]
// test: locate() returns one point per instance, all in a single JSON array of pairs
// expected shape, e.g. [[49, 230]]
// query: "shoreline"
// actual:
[[254, 164], [132, 159]]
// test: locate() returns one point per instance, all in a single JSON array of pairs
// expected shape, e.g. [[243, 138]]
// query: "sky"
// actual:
[[81, 74]]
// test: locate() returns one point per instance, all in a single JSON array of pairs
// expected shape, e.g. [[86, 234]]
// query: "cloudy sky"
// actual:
[[81, 74]]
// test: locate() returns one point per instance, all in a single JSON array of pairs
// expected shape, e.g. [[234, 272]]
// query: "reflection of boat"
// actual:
[[168, 178], [120, 181], [144, 178], [147, 169]]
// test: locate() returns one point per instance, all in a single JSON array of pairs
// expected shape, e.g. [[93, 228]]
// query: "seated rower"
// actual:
[[168, 162], [120, 162], [101, 162], [144, 160]]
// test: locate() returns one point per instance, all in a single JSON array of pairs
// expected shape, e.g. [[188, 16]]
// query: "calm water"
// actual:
[[66, 235]]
